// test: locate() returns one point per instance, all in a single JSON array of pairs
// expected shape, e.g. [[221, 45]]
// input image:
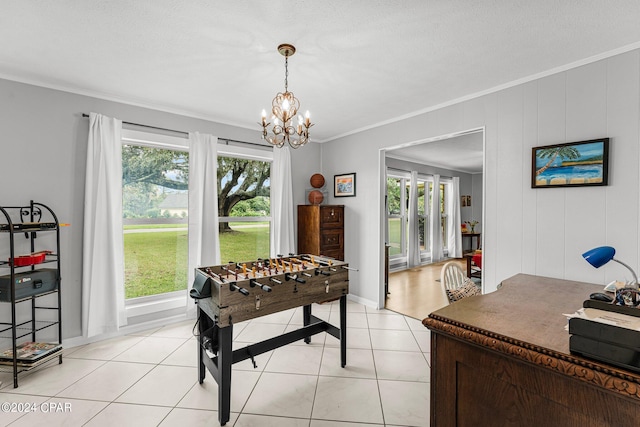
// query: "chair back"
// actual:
[[451, 276]]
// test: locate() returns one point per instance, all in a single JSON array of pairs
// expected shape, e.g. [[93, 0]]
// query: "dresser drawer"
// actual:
[[335, 254], [331, 216], [331, 239]]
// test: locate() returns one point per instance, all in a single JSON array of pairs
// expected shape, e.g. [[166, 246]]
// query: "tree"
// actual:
[[146, 172], [553, 153], [238, 180], [393, 195], [165, 168], [139, 199]]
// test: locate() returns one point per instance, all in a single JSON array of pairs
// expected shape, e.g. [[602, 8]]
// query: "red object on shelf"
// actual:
[[477, 260], [34, 258]]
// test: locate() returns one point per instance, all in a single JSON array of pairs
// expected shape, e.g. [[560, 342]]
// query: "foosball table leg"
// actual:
[[201, 366], [225, 360], [343, 330], [306, 319]]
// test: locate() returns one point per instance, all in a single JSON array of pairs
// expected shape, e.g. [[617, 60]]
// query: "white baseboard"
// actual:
[[125, 330], [362, 301]]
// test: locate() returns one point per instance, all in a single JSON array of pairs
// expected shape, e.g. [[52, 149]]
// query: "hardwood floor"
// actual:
[[416, 292]]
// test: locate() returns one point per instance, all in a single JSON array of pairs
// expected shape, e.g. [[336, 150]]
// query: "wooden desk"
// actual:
[[470, 236], [504, 358]]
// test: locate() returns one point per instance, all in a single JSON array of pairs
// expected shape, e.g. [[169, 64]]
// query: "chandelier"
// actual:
[[284, 109]]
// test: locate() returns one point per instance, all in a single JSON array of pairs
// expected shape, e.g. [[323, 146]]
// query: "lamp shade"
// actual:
[[599, 256]]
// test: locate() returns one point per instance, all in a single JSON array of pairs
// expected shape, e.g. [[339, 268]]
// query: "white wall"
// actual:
[[534, 231], [43, 157], [476, 200]]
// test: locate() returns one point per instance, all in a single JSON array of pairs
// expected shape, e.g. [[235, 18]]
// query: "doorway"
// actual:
[[459, 155]]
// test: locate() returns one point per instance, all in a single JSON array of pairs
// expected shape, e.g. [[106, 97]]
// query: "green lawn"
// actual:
[[395, 231], [157, 262]]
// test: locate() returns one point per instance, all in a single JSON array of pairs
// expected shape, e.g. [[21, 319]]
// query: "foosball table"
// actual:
[[235, 292]]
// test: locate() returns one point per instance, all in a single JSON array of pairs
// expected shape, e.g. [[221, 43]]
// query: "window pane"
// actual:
[[421, 199], [244, 192], [154, 192], [394, 196], [245, 241], [395, 236]]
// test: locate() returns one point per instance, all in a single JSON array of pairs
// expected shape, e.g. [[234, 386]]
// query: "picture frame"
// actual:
[[344, 185], [572, 164]]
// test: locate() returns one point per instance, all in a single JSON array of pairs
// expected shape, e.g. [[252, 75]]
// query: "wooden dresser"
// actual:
[[321, 230], [503, 359]]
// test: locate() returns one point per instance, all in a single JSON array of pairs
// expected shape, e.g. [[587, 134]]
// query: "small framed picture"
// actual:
[[344, 185]]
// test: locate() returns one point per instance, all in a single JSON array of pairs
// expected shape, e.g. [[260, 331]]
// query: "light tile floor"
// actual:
[[150, 378]]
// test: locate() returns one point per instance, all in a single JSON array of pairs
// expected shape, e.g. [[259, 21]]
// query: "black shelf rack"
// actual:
[[30, 220]]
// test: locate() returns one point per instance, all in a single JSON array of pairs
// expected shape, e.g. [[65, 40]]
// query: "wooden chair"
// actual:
[[452, 276], [455, 284]]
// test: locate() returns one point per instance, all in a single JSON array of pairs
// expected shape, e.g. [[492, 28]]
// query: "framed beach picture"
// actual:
[[574, 164], [344, 185]]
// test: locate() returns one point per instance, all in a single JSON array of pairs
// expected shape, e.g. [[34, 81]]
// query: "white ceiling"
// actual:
[[360, 63], [461, 153]]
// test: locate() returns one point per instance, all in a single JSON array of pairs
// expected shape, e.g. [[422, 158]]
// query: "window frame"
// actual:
[[153, 304], [403, 177], [225, 149], [397, 260]]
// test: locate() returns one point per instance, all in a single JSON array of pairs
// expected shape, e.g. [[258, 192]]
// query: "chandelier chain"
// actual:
[[286, 73]]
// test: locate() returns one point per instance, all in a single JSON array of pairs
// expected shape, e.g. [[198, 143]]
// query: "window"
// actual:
[[244, 207], [155, 206], [423, 217], [155, 179], [442, 197], [396, 216], [398, 190]]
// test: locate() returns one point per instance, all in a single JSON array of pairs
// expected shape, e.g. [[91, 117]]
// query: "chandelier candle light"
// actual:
[[284, 108]]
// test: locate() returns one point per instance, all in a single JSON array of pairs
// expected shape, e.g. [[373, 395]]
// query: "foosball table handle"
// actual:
[[254, 282], [295, 277], [234, 287]]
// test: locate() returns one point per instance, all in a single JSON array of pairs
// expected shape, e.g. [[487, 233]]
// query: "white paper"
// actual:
[[607, 317]]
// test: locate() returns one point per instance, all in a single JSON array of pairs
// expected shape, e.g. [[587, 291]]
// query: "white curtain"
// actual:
[[435, 222], [413, 255], [454, 232], [282, 231], [386, 204], [103, 244], [204, 241]]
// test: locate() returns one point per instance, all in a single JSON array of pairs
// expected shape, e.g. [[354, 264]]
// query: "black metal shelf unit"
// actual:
[[28, 221]]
